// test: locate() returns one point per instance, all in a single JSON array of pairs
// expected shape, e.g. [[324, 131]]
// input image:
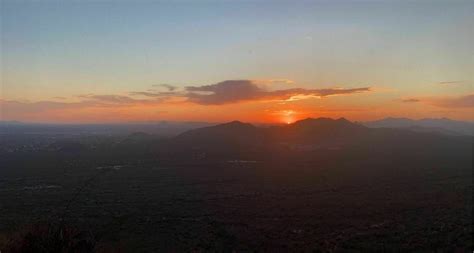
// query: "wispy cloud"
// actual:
[[450, 82], [168, 87], [108, 99], [12, 107], [272, 81], [157, 94], [410, 100], [463, 101]]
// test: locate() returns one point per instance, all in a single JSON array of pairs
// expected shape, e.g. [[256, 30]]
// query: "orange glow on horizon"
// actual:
[[257, 112]]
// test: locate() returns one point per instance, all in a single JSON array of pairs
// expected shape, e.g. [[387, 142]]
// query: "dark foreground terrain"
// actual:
[[142, 196]]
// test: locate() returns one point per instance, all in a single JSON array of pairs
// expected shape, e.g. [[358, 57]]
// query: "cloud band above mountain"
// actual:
[[221, 93], [236, 91]]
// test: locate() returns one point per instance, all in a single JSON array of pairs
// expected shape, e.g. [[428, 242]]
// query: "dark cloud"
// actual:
[[234, 91]]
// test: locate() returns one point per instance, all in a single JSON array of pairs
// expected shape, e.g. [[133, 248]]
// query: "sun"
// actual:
[[287, 116]]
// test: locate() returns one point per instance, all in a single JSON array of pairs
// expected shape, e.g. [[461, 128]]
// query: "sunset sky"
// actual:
[[254, 61]]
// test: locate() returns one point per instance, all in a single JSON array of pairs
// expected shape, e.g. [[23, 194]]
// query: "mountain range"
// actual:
[[311, 136]]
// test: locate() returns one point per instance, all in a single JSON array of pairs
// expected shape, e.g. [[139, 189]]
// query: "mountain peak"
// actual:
[[235, 123], [342, 119]]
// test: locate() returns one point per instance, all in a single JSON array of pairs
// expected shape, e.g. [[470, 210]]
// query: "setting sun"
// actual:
[[287, 116]]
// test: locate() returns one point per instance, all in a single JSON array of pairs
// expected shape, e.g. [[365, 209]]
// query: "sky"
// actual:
[[254, 61]]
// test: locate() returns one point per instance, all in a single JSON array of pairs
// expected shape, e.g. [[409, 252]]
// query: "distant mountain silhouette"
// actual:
[[303, 131], [306, 135], [226, 130], [232, 135], [321, 129], [443, 125], [241, 137]]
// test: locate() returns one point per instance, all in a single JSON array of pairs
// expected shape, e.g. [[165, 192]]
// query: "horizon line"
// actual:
[[213, 122]]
